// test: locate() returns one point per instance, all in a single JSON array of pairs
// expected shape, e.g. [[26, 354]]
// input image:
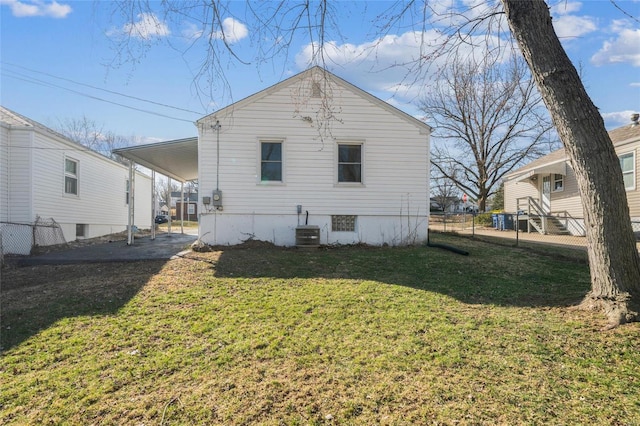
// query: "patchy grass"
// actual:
[[357, 335]]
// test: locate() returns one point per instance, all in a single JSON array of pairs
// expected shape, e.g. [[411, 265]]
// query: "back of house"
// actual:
[[313, 155]]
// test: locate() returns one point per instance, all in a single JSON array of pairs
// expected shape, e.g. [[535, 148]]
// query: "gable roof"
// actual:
[[619, 136], [14, 120], [314, 71]]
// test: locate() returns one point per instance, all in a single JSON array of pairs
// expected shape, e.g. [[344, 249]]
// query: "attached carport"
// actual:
[[176, 159]]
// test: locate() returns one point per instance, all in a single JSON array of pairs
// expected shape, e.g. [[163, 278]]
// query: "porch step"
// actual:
[[553, 226]]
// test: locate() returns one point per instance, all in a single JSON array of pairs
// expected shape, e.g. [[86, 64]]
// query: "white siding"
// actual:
[[395, 168], [32, 185], [4, 172], [20, 176], [101, 201]]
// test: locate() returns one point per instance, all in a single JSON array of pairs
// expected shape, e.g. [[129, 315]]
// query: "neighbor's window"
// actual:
[[343, 223], [627, 163], [191, 209], [271, 162], [558, 183], [350, 163], [70, 176]]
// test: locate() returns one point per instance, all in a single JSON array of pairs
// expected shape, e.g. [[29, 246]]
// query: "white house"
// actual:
[[45, 175], [313, 151]]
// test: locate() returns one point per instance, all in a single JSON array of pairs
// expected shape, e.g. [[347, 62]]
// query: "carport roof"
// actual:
[[177, 159]]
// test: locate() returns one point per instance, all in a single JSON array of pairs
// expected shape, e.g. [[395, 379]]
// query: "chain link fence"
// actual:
[[516, 229], [22, 238]]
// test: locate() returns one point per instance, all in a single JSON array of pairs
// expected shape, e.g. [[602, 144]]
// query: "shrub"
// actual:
[[484, 219]]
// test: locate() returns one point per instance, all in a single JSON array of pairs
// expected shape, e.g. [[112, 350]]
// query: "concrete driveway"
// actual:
[[164, 247]]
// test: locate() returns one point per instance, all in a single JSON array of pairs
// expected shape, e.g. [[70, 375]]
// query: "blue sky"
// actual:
[[58, 62]]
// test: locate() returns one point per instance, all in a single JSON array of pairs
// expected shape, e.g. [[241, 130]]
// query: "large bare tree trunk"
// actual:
[[613, 257]]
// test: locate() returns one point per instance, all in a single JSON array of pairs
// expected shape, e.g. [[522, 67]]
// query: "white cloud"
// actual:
[[635, 84], [564, 7], [617, 119], [232, 31], [148, 26], [567, 26], [623, 49], [30, 8], [399, 66]]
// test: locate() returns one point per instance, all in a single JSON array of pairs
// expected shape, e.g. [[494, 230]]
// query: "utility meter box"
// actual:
[[216, 199]]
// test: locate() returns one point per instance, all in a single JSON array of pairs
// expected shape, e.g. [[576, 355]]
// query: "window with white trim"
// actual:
[[70, 176], [349, 162], [271, 161], [558, 183], [127, 191], [628, 166]]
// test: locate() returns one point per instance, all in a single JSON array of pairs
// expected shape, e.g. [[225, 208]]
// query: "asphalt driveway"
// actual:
[[165, 246]]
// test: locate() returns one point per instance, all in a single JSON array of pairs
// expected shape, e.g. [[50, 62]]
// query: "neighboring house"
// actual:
[[313, 153], [548, 187], [45, 175], [189, 206]]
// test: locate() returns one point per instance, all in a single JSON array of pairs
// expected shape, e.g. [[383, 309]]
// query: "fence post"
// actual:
[[517, 227], [473, 223]]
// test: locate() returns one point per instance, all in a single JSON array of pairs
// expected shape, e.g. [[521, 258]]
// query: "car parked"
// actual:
[[161, 218]]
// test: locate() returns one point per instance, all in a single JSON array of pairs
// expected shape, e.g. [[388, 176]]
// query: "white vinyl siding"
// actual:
[[39, 190]]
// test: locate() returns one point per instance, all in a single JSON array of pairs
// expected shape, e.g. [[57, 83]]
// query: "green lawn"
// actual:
[[353, 335]]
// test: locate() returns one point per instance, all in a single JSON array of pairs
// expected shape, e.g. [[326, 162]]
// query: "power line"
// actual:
[[49, 84], [99, 88]]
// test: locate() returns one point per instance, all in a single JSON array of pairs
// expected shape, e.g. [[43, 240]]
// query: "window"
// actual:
[[81, 230], [271, 162], [127, 191], [350, 163], [627, 163], [70, 176], [558, 183], [191, 209], [343, 223]]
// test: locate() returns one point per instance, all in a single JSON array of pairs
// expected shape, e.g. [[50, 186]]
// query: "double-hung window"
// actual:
[[349, 162], [558, 183], [628, 163], [271, 161], [70, 176]]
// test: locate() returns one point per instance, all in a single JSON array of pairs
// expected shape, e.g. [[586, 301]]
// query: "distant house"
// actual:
[[188, 206], [313, 153], [547, 187], [45, 175]]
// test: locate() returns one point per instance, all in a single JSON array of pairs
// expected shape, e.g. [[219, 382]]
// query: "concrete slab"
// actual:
[[164, 247]]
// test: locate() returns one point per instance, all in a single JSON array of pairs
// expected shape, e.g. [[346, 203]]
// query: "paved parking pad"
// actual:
[[164, 246]]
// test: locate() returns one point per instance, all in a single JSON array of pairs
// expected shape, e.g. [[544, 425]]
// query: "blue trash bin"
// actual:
[[505, 222], [494, 218]]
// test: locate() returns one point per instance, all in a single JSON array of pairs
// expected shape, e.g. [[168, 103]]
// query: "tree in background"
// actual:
[[489, 119], [88, 133], [497, 202]]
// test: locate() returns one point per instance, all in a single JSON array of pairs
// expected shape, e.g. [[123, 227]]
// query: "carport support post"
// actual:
[[131, 207], [169, 202], [153, 204], [182, 208]]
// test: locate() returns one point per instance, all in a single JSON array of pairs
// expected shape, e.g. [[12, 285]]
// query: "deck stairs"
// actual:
[[533, 217]]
